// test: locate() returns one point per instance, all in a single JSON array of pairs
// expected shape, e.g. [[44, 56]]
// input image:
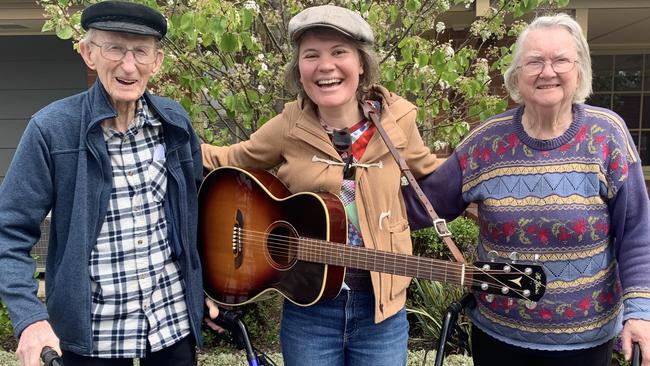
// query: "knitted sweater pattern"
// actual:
[[546, 201]]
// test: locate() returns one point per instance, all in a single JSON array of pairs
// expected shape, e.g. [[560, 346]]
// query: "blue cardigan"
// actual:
[[62, 165]]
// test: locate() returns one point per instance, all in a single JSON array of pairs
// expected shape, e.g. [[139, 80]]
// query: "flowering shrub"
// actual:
[[225, 59]]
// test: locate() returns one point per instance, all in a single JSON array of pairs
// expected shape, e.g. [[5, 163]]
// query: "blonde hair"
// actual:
[[561, 20]]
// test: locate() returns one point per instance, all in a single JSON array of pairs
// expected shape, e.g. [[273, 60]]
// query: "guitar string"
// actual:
[[280, 244], [472, 282]]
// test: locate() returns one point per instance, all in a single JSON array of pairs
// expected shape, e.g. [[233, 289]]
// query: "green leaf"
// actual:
[[413, 85], [64, 32], [246, 18], [407, 53], [200, 22], [252, 95], [217, 25], [445, 104], [247, 40], [389, 74], [394, 13], [48, 26], [435, 108], [412, 5], [423, 59], [187, 22], [209, 136], [229, 42]]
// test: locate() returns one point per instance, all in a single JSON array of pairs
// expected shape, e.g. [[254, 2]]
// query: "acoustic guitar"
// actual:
[[255, 236]]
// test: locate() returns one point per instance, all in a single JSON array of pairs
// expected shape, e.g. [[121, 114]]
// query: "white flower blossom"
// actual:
[[449, 51], [264, 67], [261, 57], [443, 84], [440, 27], [252, 5], [261, 89], [439, 145]]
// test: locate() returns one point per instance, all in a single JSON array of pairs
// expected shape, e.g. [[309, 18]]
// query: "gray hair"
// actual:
[[584, 88], [366, 53]]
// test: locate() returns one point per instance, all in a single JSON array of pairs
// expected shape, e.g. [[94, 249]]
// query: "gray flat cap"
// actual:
[[329, 16]]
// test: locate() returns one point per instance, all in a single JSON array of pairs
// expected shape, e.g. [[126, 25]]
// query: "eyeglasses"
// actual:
[[116, 52], [342, 142], [560, 66]]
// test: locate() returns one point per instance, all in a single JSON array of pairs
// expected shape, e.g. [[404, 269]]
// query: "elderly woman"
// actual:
[[332, 69], [560, 183]]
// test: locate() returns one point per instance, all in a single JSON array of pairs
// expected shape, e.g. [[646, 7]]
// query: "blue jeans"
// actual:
[[342, 332]]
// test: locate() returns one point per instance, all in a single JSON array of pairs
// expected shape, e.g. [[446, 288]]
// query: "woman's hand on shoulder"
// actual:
[[210, 161]]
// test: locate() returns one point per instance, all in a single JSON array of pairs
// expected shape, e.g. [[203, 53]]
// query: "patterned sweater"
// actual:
[[576, 204]]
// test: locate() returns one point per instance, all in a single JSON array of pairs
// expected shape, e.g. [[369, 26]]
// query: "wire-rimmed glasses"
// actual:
[[559, 66], [115, 52]]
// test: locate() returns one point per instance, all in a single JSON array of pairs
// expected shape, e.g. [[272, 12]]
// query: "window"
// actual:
[[622, 84]]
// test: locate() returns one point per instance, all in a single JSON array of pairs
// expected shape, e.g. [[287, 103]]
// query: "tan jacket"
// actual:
[[296, 143]]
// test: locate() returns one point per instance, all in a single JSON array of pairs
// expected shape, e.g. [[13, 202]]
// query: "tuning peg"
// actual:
[[513, 257], [493, 255]]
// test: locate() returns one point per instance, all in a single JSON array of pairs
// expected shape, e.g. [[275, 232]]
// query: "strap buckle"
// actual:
[[441, 227]]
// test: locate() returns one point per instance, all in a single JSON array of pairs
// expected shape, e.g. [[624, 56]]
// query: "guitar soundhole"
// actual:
[[282, 245]]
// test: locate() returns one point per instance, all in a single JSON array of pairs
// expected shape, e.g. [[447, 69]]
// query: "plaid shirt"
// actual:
[[137, 289]]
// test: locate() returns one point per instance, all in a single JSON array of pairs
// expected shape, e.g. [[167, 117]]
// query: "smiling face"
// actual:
[[125, 80], [548, 89], [329, 68]]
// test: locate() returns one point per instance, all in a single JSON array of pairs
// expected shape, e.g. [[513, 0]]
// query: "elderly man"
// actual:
[[119, 169]]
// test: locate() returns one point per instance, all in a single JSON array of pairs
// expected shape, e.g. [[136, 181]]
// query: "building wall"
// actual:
[[34, 71]]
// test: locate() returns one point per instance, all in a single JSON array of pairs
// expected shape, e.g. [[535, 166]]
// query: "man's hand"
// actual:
[[213, 313], [33, 339], [637, 330]]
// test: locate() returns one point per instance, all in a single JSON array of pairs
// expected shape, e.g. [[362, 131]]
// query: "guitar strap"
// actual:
[[440, 225]]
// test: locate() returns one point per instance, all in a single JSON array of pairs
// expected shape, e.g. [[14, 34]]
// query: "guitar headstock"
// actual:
[[522, 281]]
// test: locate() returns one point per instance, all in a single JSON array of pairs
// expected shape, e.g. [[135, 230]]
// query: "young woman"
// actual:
[[333, 69]]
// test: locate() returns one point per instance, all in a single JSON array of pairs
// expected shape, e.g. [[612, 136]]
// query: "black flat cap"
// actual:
[[120, 16]]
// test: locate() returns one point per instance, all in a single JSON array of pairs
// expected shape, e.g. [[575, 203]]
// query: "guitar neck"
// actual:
[[325, 252]]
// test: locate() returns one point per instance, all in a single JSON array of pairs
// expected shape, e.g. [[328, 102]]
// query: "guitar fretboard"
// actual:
[[321, 251]]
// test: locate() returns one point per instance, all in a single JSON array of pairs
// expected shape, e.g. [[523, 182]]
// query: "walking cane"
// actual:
[[449, 324], [636, 354], [50, 357]]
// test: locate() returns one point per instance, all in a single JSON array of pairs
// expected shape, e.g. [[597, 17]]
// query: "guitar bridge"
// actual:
[[238, 240]]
